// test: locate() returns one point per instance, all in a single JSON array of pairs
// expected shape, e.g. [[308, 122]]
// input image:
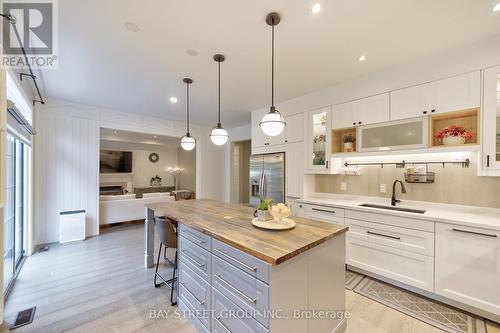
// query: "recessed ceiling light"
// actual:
[[497, 7], [131, 26], [316, 8], [173, 99], [192, 53], [362, 58], [115, 132], [155, 136]]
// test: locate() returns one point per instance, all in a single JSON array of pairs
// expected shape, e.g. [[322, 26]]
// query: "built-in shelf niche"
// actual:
[[338, 140], [469, 119]]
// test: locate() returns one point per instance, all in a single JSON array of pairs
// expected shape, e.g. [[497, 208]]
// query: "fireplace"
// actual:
[[111, 190]]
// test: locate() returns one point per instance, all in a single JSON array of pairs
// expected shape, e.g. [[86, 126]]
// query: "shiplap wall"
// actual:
[[66, 160]]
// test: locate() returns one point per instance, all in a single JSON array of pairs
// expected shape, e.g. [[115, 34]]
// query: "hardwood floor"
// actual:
[[100, 285]]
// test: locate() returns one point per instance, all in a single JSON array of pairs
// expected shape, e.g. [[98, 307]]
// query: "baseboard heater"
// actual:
[[71, 226]]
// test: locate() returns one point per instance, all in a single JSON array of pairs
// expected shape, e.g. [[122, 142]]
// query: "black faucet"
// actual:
[[403, 190]]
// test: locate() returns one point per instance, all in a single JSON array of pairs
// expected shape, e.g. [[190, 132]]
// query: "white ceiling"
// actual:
[[103, 64]]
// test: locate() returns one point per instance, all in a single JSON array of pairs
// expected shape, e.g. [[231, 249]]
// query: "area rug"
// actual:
[[352, 279], [429, 311]]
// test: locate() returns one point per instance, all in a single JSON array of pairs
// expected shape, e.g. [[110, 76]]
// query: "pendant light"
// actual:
[[219, 135], [187, 141], [272, 124]]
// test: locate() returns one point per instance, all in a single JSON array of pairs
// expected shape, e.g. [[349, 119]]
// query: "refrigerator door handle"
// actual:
[[261, 185], [264, 185]]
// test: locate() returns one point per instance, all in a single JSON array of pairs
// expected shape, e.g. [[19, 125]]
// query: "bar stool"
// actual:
[[168, 238]]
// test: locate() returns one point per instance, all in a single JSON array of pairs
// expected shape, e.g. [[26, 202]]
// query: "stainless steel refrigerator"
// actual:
[[267, 178]]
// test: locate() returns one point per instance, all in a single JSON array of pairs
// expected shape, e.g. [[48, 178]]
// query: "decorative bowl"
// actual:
[[279, 212]]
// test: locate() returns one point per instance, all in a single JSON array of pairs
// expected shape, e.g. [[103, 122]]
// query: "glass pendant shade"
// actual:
[[272, 124], [188, 142], [219, 136]]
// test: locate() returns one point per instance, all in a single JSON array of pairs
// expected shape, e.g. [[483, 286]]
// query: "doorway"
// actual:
[[240, 171]]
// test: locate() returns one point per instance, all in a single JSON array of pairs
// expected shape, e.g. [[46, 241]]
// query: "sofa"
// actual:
[[126, 207]]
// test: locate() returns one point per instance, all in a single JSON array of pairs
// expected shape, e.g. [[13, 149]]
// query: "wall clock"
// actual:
[[153, 157]]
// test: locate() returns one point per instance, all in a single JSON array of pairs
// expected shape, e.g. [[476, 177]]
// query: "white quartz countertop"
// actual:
[[472, 216]]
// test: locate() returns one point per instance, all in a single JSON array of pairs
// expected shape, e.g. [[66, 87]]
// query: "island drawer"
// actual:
[[190, 313], [196, 237], [247, 263], [196, 292], [228, 317], [324, 213], [415, 241], [196, 258], [246, 291]]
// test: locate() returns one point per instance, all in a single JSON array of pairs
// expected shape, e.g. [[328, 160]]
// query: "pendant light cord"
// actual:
[[218, 115], [272, 65], [187, 107]]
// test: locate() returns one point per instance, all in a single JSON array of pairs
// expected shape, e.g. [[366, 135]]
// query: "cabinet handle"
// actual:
[[474, 233], [382, 235], [433, 110], [487, 161], [300, 206], [326, 164], [197, 263], [192, 295], [359, 122], [217, 319], [354, 123], [286, 141], [323, 210], [425, 112], [253, 269], [193, 238], [239, 292]]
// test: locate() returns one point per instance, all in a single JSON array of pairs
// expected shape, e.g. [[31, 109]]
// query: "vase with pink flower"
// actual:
[[454, 135]]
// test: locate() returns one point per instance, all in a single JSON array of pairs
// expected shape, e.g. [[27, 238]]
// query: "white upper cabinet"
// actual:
[[407, 103], [294, 130], [259, 139], [318, 142], [454, 94], [373, 110], [457, 93], [365, 111], [490, 140], [343, 115]]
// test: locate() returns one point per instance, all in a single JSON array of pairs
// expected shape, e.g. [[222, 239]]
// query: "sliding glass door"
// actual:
[[15, 210]]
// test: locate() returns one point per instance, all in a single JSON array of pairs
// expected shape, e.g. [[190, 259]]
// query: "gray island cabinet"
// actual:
[[236, 278]]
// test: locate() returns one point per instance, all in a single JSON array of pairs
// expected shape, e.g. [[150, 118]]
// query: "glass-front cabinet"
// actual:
[[491, 122], [319, 142]]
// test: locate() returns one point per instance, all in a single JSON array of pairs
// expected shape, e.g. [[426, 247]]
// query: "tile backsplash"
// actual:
[[453, 184]]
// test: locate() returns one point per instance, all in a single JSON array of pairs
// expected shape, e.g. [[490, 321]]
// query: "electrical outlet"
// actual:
[[383, 188], [343, 186]]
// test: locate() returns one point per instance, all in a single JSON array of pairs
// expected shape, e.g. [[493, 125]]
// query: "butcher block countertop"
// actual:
[[232, 224]]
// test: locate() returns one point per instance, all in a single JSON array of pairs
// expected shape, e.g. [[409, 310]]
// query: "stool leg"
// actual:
[[173, 281], [157, 264]]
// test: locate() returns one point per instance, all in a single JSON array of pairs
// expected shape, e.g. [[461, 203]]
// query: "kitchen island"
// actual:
[[234, 277]]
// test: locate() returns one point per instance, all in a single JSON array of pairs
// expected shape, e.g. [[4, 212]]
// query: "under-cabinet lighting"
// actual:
[[497, 7], [316, 8]]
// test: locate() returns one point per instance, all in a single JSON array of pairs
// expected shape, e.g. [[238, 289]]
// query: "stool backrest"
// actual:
[[166, 232]]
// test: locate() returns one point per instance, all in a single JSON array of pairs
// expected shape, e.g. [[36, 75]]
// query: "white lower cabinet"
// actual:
[[296, 208], [400, 254], [403, 266], [468, 266]]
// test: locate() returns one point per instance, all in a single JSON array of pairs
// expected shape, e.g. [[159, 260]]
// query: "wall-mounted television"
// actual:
[[112, 161]]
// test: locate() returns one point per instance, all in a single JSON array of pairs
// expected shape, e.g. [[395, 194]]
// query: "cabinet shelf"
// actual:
[[338, 142], [469, 119]]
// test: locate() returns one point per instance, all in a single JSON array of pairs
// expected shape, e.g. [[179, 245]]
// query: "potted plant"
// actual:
[[348, 141], [155, 181], [262, 212], [454, 135]]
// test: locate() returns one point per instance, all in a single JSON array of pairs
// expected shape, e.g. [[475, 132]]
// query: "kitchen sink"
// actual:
[[399, 209]]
